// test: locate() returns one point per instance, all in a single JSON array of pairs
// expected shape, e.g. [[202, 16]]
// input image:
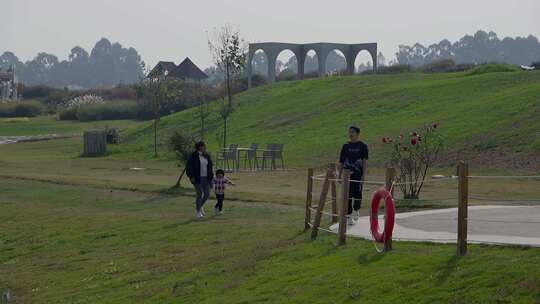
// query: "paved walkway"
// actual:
[[514, 225]]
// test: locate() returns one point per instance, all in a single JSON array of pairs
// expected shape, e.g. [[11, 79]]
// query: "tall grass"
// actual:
[[29, 108]]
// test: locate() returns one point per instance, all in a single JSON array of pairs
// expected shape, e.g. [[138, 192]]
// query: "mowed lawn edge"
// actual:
[[66, 243]]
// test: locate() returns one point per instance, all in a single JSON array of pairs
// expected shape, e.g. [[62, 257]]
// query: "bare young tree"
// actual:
[[229, 54], [204, 107], [156, 92]]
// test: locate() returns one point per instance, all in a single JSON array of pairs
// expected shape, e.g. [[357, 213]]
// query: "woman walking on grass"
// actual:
[[199, 169]]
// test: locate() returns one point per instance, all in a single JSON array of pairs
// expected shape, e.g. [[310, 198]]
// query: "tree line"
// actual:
[[482, 47], [107, 64]]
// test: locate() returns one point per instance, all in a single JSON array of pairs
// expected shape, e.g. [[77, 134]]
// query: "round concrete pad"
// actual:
[[516, 225]]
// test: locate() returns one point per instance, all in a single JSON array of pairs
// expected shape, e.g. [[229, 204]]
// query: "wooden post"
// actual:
[[309, 198], [322, 200], [333, 192], [389, 180], [463, 173], [344, 207]]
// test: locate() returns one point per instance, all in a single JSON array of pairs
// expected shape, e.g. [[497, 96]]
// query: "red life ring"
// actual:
[[390, 213]]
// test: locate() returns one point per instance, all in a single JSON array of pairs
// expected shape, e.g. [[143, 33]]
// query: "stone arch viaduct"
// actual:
[[322, 49]]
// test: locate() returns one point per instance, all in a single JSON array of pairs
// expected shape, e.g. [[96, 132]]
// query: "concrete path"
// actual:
[[20, 139], [513, 225]]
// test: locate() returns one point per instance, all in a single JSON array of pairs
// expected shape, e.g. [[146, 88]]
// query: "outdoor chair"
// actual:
[[272, 152], [250, 157], [228, 156]]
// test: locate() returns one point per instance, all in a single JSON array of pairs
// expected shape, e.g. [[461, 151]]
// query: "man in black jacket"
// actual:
[[199, 169], [354, 156]]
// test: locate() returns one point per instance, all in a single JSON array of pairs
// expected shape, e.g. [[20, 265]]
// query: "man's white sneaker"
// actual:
[[350, 220]]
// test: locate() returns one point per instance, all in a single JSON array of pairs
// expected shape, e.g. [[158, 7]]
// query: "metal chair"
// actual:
[[250, 157], [229, 154], [272, 152], [278, 155]]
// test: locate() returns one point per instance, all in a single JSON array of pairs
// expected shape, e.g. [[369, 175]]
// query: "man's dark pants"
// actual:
[[355, 193]]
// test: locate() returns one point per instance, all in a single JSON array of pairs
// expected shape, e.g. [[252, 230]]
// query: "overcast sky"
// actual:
[[174, 29]]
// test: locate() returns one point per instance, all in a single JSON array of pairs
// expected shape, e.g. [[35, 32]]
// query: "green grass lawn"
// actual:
[[92, 230], [74, 244], [49, 125], [491, 118]]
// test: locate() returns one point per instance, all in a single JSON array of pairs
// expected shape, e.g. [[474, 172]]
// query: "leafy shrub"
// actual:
[[31, 108], [67, 114], [439, 66], [394, 69], [111, 110], [446, 66], [492, 68], [182, 144], [536, 65]]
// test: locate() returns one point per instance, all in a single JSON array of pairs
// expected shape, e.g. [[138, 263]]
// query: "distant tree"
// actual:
[[107, 65], [381, 60], [204, 107], [157, 92], [479, 48], [259, 64], [229, 54]]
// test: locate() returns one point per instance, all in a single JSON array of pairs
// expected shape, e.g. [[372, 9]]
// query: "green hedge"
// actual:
[[492, 68], [111, 110], [29, 108]]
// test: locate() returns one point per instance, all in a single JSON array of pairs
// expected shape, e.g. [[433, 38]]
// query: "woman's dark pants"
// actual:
[[203, 191]]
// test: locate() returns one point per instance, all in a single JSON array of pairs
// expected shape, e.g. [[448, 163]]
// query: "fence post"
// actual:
[[309, 198], [322, 200], [333, 192], [389, 179], [344, 207], [463, 188]]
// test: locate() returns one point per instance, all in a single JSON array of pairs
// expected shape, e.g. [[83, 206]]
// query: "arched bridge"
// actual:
[[322, 49]]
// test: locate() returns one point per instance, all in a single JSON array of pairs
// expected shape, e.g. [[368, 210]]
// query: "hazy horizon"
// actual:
[[173, 30]]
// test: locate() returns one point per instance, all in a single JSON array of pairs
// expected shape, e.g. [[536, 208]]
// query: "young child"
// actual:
[[220, 183]]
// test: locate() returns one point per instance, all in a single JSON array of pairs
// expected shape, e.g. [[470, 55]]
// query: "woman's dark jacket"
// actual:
[[193, 168]]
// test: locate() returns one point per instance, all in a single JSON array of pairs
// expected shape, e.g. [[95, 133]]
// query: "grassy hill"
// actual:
[[486, 115]]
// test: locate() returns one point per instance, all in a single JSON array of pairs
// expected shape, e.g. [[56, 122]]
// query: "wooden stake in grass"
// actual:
[[322, 200], [309, 198], [389, 180], [333, 192], [346, 175], [463, 173]]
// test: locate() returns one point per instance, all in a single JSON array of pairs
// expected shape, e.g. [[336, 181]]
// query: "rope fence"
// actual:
[[339, 204]]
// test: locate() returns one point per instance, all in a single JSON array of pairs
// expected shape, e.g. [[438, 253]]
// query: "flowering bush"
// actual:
[[84, 100], [413, 155]]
